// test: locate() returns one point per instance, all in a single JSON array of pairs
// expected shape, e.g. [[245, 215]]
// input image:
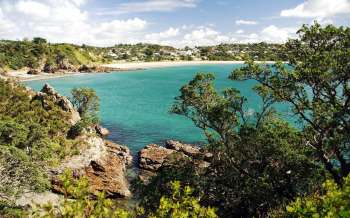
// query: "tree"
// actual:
[[257, 164], [316, 84], [86, 102], [38, 40]]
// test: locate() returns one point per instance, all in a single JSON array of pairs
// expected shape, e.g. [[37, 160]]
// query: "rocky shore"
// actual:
[[105, 163], [153, 157]]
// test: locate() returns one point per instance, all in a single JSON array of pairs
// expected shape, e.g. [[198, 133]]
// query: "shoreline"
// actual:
[[22, 76], [161, 64]]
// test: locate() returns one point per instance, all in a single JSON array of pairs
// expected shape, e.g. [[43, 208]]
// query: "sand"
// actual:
[[123, 66]]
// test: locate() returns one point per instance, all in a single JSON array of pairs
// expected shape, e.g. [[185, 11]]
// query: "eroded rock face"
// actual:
[[63, 102], [103, 163], [153, 157]]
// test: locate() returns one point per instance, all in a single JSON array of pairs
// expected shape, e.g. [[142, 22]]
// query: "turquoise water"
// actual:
[[135, 105]]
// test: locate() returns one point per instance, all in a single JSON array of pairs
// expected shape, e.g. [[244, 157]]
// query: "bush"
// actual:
[[78, 203], [181, 204], [334, 202]]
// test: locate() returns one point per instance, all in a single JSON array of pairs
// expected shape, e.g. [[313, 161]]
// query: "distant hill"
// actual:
[[41, 56]]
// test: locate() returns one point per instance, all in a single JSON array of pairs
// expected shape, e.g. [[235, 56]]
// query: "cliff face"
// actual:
[[48, 93], [103, 163]]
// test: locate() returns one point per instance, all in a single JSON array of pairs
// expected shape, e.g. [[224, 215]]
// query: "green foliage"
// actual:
[[316, 86], [38, 52], [257, 163], [78, 203], [86, 102], [178, 168], [31, 138], [18, 172], [181, 204], [335, 202]]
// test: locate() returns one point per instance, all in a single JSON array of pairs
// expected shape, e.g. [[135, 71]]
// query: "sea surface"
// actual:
[[135, 104]]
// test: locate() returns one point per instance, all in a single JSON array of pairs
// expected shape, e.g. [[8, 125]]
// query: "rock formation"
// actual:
[[101, 131], [103, 163], [153, 157], [63, 102]]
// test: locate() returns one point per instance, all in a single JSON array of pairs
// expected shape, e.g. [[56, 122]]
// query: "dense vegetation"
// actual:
[[40, 55], [262, 165], [32, 136]]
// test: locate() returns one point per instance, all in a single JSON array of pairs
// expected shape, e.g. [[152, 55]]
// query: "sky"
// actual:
[[177, 23]]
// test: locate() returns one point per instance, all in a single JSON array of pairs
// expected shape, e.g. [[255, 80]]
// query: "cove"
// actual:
[[135, 104]]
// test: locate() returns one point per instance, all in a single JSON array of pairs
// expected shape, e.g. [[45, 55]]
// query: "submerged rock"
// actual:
[[103, 163]]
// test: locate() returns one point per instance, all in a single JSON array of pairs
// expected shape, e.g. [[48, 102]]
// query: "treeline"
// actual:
[[43, 56]]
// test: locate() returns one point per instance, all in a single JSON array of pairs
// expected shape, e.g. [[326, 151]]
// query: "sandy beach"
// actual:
[[22, 75], [160, 64]]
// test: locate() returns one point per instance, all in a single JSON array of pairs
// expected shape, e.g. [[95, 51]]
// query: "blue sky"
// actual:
[[171, 22]]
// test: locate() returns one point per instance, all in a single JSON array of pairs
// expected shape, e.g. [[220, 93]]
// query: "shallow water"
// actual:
[[135, 104]]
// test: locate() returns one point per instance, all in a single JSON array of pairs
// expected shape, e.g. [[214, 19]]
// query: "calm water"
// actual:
[[135, 105]]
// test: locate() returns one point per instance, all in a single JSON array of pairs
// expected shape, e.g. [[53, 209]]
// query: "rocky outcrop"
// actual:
[[50, 68], [48, 92], [33, 72], [31, 199], [153, 157], [95, 69], [103, 163], [101, 131]]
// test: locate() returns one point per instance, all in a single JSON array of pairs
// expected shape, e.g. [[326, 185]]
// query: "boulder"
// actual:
[[153, 157], [101, 131], [32, 199], [103, 163], [49, 68], [190, 150], [33, 72]]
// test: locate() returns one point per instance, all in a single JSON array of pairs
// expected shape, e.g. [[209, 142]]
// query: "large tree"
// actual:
[[315, 82], [257, 164]]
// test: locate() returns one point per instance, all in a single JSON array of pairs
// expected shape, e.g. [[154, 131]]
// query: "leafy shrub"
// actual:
[[78, 203], [334, 202], [181, 204]]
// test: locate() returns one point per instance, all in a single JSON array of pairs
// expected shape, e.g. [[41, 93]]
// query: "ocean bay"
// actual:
[[135, 104]]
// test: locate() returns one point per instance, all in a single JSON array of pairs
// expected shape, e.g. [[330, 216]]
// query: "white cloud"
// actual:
[[271, 34], [158, 37], [318, 8], [33, 8], [68, 21], [152, 5], [205, 36], [63, 21], [275, 34], [246, 22]]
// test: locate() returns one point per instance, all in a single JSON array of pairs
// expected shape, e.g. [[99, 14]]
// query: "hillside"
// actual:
[[38, 55]]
